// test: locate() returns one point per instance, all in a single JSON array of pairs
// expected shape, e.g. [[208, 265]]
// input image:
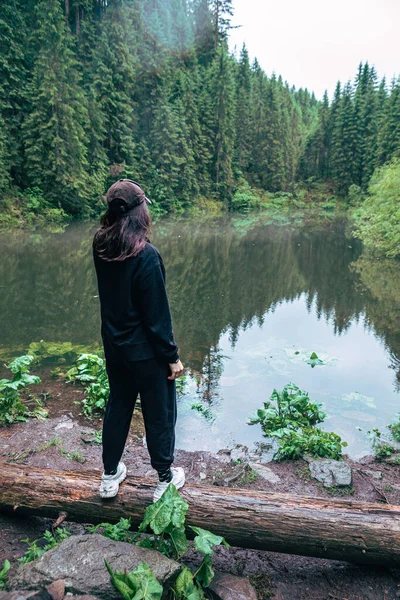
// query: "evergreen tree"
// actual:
[[222, 92], [203, 31], [243, 125], [222, 12], [56, 152], [13, 81], [389, 138], [114, 81]]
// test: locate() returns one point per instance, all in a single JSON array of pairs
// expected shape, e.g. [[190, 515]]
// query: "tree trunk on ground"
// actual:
[[339, 529]]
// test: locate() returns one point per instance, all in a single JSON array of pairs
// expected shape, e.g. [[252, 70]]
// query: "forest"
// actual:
[[95, 90]]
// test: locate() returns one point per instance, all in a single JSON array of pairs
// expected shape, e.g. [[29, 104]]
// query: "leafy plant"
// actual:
[[90, 369], [310, 440], [118, 532], [314, 361], [166, 521], [292, 410], [12, 408], [3, 573], [394, 429], [34, 551], [292, 419], [139, 584]]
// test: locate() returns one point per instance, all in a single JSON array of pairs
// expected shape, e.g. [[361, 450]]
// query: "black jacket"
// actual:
[[135, 314]]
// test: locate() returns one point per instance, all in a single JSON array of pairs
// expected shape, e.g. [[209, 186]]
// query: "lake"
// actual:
[[252, 298]]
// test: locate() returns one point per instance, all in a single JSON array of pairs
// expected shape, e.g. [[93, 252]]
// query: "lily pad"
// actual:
[[310, 357]]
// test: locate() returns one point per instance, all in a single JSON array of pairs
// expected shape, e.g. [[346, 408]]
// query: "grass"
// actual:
[[54, 442]]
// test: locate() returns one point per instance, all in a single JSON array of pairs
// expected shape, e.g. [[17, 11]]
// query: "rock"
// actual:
[[79, 561], [374, 474], [203, 476], [67, 424], [229, 587], [25, 595], [330, 472], [57, 589], [223, 456], [239, 453], [264, 472]]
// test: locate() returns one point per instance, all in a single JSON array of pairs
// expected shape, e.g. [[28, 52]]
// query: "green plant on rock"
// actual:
[[382, 448], [90, 369], [34, 550], [291, 417], [12, 407], [118, 532], [3, 572], [166, 521], [139, 584]]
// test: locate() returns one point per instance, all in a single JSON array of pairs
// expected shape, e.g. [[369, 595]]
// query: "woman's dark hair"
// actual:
[[123, 232]]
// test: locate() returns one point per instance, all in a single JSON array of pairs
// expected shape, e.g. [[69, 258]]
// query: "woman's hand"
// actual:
[[177, 370]]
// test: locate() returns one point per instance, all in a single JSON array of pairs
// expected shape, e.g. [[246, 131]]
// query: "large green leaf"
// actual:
[[205, 540], [185, 587], [139, 584], [169, 510], [178, 539], [205, 573]]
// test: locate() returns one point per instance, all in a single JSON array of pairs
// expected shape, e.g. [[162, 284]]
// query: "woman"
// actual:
[[141, 354]]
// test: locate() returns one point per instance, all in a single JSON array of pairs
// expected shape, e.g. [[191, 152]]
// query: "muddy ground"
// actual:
[[67, 440]]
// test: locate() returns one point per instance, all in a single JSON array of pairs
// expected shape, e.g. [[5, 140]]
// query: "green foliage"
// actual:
[[293, 410], [3, 572], [384, 446], [379, 226], [64, 352], [310, 440], [12, 407], [90, 369], [244, 198], [292, 421], [186, 588], [139, 584], [394, 429], [205, 540], [48, 542], [166, 520], [118, 532]]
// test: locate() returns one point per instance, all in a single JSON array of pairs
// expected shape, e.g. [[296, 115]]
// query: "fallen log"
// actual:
[[326, 528]]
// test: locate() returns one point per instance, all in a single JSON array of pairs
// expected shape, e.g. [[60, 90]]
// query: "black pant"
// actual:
[[158, 402]]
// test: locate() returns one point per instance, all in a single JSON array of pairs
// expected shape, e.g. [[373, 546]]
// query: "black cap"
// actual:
[[128, 191]]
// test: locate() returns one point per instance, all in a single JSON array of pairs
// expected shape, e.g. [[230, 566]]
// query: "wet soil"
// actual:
[[67, 440]]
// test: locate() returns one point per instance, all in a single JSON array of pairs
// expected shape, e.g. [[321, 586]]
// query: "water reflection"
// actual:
[[241, 291]]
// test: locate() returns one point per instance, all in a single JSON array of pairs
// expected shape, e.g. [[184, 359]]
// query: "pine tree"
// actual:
[[203, 31], [389, 139], [258, 166], [114, 80], [13, 81], [222, 12], [173, 181], [222, 92], [54, 131], [243, 125]]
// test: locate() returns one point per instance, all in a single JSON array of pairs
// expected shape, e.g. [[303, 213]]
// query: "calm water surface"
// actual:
[[251, 300]]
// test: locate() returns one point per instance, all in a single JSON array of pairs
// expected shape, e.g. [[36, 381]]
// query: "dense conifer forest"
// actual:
[[95, 90]]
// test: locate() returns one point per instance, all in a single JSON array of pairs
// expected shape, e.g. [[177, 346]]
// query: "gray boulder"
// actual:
[[79, 561], [25, 595], [330, 472], [264, 472], [228, 587]]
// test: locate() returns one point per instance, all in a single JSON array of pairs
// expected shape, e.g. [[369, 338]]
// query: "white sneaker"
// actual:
[[178, 479], [110, 483]]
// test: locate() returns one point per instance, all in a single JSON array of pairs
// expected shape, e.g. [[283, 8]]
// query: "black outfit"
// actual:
[[138, 344]]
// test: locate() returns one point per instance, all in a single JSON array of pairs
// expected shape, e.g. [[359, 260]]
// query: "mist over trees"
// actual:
[[95, 90]]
